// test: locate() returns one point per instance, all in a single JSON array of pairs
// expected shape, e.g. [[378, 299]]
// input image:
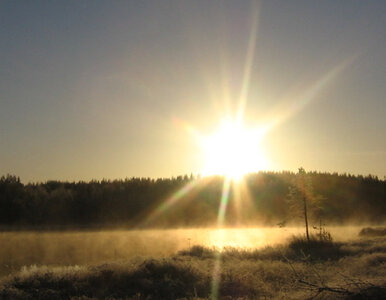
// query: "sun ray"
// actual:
[[294, 102], [188, 128], [242, 201], [233, 150], [171, 201], [216, 276], [248, 62], [223, 202]]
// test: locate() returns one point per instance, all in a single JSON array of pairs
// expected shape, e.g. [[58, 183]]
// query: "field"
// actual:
[[126, 265], [63, 248]]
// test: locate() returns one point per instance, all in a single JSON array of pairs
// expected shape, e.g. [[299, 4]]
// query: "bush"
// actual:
[[315, 247], [198, 251], [372, 232]]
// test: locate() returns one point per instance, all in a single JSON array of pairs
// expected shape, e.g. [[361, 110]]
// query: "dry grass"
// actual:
[[373, 231], [352, 270]]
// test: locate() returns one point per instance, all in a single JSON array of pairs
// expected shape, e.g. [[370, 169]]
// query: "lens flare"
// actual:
[[170, 202]]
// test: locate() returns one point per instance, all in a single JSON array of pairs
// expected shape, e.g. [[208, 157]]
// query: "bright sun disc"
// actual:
[[233, 151]]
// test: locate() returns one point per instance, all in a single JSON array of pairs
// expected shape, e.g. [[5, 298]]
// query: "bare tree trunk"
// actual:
[[306, 218]]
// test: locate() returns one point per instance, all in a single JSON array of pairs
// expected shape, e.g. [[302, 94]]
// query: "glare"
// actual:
[[233, 150]]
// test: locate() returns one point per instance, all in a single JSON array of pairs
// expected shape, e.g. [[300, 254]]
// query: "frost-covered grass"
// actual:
[[297, 270], [373, 231]]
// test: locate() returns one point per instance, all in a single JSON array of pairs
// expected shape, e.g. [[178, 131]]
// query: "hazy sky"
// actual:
[[99, 89]]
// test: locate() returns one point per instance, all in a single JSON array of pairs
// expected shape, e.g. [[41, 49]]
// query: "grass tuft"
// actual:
[[199, 252], [373, 231], [315, 248]]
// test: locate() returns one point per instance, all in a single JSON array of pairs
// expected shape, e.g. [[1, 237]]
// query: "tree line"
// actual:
[[186, 201]]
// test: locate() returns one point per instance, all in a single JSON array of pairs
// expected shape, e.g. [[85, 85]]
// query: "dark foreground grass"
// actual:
[[298, 270]]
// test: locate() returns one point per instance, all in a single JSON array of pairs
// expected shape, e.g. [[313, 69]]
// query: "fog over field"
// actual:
[[83, 247], [51, 263], [192, 150], [193, 237]]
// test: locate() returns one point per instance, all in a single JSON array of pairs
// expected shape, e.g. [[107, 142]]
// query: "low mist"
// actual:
[[88, 247]]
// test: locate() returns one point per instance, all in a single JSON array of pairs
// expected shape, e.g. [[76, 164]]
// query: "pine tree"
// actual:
[[300, 198]]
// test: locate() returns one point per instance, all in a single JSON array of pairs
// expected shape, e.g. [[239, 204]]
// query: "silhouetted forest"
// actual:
[[141, 202]]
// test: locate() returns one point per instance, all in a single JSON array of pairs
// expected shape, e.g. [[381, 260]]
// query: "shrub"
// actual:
[[371, 231], [199, 252], [315, 248]]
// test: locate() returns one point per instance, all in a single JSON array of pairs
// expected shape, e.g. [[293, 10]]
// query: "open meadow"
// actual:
[[60, 248], [155, 265]]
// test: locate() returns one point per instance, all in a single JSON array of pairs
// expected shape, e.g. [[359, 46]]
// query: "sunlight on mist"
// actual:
[[77, 248]]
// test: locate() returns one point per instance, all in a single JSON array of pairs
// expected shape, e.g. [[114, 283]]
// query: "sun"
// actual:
[[233, 150]]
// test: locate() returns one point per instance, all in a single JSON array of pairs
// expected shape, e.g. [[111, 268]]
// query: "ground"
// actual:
[[296, 270]]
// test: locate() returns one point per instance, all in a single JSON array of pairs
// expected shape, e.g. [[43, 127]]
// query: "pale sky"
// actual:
[[99, 89]]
